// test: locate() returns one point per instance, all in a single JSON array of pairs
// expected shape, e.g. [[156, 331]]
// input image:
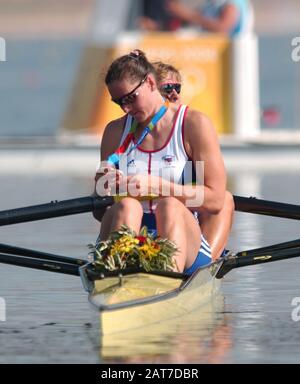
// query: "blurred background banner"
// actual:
[[58, 51], [203, 63], [220, 75]]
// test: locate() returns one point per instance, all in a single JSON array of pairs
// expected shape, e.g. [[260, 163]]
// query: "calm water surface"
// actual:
[[49, 319]]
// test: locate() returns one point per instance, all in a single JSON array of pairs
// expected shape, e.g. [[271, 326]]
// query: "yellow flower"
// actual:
[[149, 250], [124, 249], [123, 245]]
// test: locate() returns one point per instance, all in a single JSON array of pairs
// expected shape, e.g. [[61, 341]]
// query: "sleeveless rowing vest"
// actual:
[[168, 162]]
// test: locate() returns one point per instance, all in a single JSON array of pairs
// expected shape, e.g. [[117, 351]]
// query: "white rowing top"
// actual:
[[168, 162]]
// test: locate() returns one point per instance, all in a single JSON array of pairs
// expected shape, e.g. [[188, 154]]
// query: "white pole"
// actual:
[[245, 86]]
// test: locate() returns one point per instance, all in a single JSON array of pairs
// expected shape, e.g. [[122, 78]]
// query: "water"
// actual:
[[49, 319]]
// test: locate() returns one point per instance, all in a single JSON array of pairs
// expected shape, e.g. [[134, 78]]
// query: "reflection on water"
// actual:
[[49, 318], [200, 336]]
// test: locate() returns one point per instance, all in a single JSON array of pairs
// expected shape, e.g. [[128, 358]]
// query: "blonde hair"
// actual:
[[163, 70]]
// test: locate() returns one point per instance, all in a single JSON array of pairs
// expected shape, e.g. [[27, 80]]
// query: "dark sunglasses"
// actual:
[[170, 87], [130, 97]]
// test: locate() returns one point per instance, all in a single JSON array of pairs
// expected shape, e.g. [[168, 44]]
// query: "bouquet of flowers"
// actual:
[[124, 248]]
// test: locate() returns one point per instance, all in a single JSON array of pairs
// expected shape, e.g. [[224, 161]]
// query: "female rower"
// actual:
[[169, 81], [152, 140], [213, 226]]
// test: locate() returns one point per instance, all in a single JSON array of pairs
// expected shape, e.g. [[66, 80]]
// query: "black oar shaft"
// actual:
[[53, 209], [267, 257], [90, 203], [244, 259], [50, 266], [16, 251], [266, 207], [294, 244]]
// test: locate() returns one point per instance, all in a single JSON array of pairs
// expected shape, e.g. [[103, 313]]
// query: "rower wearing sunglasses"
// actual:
[[146, 152], [168, 80]]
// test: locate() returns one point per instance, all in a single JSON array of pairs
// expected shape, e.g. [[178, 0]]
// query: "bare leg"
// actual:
[[216, 228], [105, 228], [175, 222], [127, 212]]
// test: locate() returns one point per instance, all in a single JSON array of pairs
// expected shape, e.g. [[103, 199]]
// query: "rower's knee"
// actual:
[[167, 206], [129, 206]]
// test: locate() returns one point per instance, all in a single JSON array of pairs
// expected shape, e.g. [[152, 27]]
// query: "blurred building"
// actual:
[[45, 39], [21, 19]]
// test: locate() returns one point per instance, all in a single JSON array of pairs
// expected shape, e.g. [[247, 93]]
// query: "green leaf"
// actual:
[[103, 258]]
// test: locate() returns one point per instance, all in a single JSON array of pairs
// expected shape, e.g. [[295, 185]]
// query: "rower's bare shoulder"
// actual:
[[113, 131], [199, 133], [197, 123], [115, 127], [112, 136]]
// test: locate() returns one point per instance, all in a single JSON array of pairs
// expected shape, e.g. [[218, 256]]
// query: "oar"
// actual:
[[266, 207], [54, 209], [16, 251], [44, 265], [90, 203], [275, 247], [276, 252]]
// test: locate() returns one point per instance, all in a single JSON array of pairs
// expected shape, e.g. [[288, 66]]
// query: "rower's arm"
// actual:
[[202, 145], [111, 137], [109, 143]]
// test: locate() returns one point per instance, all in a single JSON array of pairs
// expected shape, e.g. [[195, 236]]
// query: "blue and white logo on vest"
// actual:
[[131, 163], [169, 160]]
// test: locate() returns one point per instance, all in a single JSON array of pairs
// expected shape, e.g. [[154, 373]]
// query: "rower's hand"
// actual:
[[144, 185], [108, 181]]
